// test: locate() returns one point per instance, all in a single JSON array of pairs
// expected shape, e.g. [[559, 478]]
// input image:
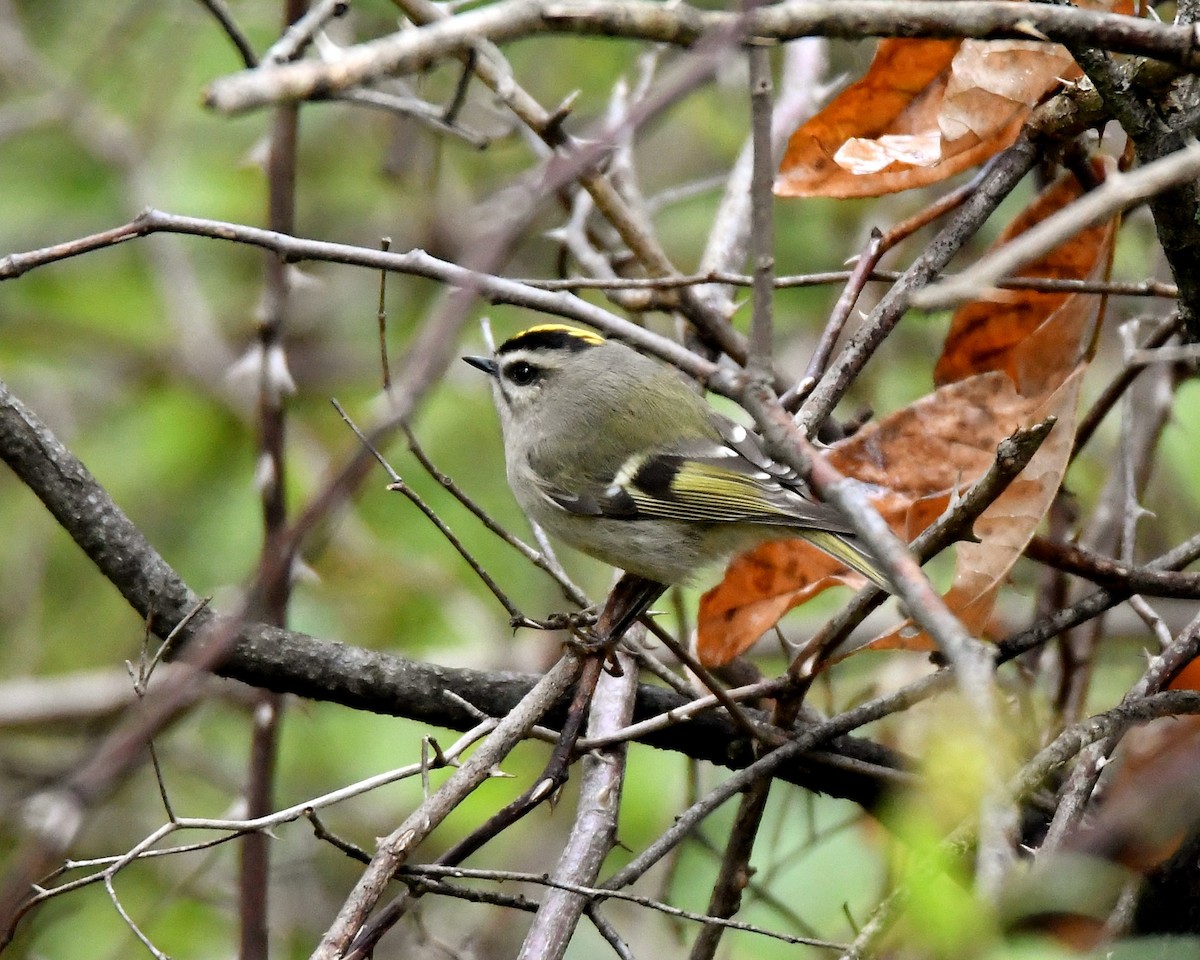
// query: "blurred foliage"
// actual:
[[100, 116]]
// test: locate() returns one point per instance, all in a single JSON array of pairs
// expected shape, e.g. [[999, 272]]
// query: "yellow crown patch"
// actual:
[[588, 336], [557, 336]]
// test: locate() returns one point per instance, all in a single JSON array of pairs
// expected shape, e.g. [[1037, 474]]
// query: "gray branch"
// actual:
[[287, 661], [413, 50]]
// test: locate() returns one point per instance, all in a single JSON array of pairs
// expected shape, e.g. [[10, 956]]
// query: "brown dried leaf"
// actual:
[[758, 588], [1042, 342], [994, 81], [1012, 334], [917, 117], [915, 459], [924, 111], [1006, 526], [880, 134], [918, 457]]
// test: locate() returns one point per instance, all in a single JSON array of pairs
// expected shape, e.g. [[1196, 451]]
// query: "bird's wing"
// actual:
[[730, 480]]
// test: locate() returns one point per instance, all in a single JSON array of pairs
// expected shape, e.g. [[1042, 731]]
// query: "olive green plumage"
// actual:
[[617, 455]]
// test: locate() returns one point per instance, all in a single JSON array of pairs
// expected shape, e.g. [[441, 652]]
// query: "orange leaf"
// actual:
[[1004, 335], [1006, 526], [1041, 341], [758, 588], [894, 129], [924, 111], [883, 117], [1188, 678], [917, 457], [914, 458]]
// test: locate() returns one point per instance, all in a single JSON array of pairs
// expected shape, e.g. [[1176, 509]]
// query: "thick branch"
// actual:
[[414, 50], [290, 662]]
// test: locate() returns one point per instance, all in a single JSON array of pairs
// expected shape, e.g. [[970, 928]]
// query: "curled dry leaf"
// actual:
[[1006, 526], [992, 82], [881, 134], [1012, 333], [915, 460], [1004, 366], [924, 111], [1042, 342]]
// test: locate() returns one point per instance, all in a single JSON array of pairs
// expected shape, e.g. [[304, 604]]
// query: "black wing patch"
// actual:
[[706, 481]]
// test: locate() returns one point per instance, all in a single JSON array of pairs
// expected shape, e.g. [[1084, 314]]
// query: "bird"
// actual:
[[615, 454]]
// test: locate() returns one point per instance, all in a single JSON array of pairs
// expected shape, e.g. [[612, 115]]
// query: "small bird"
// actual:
[[616, 455]]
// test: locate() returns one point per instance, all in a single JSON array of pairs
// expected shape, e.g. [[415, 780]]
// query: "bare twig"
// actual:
[[395, 849], [819, 361], [1115, 390], [220, 11], [274, 383], [1004, 172], [1118, 193], [1184, 649], [600, 894], [415, 262], [1114, 574], [1139, 288], [301, 30], [595, 829], [762, 221], [539, 558], [515, 616]]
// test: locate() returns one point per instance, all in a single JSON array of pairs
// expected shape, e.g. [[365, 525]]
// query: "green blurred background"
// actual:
[[130, 355]]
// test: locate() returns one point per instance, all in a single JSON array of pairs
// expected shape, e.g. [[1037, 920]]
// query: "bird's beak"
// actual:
[[486, 364]]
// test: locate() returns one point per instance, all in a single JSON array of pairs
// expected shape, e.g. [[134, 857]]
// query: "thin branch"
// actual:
[[1115, 390], [629, 222], [1116, 288], [1088, 607], [806, 739], [416, 109], [595, 828], [973, 660], [762, 220], [1004, 172], [416, 263], [395, 849], [600, 894], [1117, 194], [1068, 744], [220, 11], [538, 558], [1106, 572], [301, 31], [818, 363], [274, 383], [108, 867]]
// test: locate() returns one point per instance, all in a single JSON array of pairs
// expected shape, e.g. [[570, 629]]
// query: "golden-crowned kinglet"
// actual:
[[613, 453]]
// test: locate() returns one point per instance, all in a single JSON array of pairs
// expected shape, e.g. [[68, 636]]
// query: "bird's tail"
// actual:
[[841, 547]]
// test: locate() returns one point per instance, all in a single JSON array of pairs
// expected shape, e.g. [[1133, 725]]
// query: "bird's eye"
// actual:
[[521, 373]]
